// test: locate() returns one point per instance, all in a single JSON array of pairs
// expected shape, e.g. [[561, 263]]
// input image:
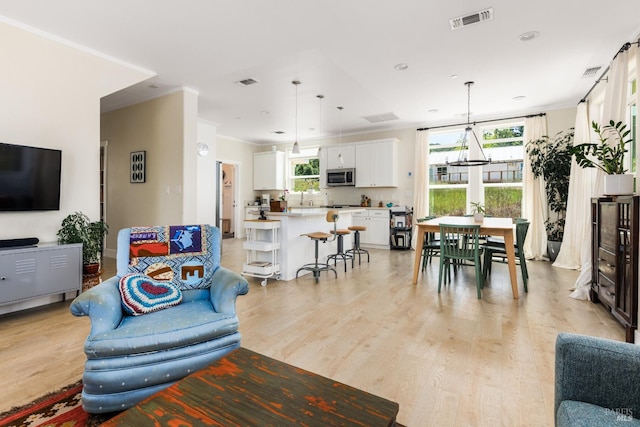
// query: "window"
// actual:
[[498, 185], [447, 184], [502, 178], [304, 171]]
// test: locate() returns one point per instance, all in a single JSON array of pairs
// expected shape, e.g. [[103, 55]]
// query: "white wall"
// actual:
[[157, 127], [50, 97], [206, 204]]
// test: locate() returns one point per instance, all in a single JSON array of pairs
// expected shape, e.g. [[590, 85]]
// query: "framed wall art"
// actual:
[[137, 171]]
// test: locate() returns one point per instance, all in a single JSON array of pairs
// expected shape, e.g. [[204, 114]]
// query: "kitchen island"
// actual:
[[297, 250]]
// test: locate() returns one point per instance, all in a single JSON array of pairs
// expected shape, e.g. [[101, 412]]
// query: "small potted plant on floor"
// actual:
[[78, 228], [609, 156], [550, 159]]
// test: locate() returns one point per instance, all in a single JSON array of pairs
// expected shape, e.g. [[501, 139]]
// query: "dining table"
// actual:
[[489, 226]]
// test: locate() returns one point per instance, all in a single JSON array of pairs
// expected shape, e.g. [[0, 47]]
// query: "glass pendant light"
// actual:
[[296, 146], [340, 158], [320, 98], [463, 154]]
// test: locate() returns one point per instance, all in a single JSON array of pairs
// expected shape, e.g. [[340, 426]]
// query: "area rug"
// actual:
[[61, 408]]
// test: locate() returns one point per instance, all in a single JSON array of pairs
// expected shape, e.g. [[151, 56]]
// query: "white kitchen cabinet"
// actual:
[[377, 223], [376, 163], [268, 170], [348, 152]]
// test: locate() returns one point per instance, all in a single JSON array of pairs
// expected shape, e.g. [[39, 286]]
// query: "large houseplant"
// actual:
[[608, 155], [550, 159], [78, 228]]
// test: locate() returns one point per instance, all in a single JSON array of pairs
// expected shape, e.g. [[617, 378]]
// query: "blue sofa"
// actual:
[[597, 382], [130, 357]]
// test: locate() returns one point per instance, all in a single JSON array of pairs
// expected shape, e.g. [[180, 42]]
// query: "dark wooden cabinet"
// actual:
[[614, 278]]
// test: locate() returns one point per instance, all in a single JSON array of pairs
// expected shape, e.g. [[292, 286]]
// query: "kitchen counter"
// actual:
[[296, 249]]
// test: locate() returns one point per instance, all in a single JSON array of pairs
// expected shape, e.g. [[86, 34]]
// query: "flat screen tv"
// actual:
[[29, 178]]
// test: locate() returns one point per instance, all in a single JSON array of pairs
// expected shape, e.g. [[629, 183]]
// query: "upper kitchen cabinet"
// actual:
[[376, 163], [268, 170], [348, 152]]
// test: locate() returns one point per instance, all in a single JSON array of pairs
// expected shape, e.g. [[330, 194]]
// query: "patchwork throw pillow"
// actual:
[[140, 294]]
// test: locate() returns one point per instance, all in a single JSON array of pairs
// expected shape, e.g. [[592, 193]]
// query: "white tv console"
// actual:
[[38, 271]]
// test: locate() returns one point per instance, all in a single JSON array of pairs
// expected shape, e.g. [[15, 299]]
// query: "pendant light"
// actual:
[[320, 98], [463, 155], [296, 146], [340, 158]]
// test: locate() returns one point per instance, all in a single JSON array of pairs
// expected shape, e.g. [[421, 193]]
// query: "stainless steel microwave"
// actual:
[[341, 177]]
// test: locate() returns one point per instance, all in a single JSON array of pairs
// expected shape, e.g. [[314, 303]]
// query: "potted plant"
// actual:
[[478, 210], [609, 156], [550, 160], [77, 228]]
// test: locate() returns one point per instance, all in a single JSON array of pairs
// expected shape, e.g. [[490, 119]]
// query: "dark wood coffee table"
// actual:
[[246, 388]]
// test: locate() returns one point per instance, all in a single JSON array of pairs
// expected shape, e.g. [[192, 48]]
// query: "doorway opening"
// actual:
[[227, 179]]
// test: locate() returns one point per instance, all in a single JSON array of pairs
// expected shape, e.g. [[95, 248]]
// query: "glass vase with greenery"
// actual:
[[550, 160]]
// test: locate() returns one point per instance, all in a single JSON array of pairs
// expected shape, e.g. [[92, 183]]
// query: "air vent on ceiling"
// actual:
[[590, 72], [384, 117], [472, 18], [246, 82]]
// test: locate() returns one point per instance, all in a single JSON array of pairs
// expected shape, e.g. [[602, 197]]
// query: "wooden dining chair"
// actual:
[[495, 247], [460, 243]]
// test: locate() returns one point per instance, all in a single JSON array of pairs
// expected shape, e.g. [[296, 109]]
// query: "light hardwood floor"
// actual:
[[448, 359]]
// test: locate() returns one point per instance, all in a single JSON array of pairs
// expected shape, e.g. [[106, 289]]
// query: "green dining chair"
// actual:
[[460, 243], [496, 247], [431, 244]]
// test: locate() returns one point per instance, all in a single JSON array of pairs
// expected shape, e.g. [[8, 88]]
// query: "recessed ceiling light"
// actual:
[[529, 35], [154, 86], [401, 67], [454, 76], [433, 110], [278, 132], [519, 98], [264, 112]]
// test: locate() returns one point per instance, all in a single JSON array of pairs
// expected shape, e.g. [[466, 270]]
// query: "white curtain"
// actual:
[[534, 201], [421, 179], [587, 183], [582, 186]]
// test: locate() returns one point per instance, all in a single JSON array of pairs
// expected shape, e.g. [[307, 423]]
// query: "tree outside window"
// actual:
[[304, 171]]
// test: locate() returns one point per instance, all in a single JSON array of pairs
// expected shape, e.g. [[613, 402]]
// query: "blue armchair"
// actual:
[[597, 382], [130, 357]]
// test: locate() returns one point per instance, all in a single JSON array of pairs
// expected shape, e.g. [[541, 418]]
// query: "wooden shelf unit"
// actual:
[[614, 253]]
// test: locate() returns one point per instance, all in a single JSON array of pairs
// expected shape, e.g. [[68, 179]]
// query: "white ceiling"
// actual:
[[345, 50]]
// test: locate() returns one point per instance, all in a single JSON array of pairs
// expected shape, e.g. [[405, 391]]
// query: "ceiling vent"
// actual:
[[590, 72], [247, 82], [473, 18], [384, 117]]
